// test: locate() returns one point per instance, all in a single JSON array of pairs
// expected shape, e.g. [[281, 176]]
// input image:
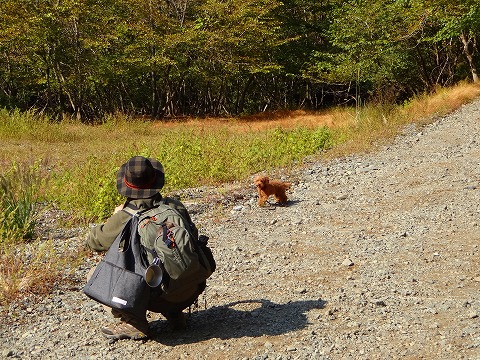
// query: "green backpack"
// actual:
[[186, 259]]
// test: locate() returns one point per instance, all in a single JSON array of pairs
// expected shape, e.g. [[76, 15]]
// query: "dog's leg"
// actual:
[[262, 198], [281, 199]]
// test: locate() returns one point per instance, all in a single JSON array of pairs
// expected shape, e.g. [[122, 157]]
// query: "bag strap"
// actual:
[[134, 210], [130, 209]]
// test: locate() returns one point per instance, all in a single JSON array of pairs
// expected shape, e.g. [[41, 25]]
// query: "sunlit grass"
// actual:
[[20, 189], [364, 128], [190, 156], [441, 103], [31, 126], [34, 267]]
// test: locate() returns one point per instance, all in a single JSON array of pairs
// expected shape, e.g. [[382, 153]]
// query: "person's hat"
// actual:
[[140, 178]]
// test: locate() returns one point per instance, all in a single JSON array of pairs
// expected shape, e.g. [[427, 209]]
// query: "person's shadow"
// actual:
[[259, 317]]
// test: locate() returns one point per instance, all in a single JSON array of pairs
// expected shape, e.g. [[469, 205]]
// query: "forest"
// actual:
[[85, 59]]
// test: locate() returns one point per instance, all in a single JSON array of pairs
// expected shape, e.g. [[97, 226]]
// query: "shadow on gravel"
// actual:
[[272, 205], [250, 318]]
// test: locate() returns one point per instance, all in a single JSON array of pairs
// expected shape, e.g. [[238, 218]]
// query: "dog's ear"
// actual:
[[266, 180]]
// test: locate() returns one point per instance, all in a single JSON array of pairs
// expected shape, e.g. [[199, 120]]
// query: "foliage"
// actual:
[[87, 59], [389, 49]]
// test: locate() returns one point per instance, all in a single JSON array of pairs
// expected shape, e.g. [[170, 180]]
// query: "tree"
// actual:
[[393, 49], [161, 58], [459, 19]]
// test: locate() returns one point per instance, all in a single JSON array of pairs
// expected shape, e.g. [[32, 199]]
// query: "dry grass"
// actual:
[[441, 103], [90, 141], [34, 268], [375, 126], [262, 122], [379, 124]]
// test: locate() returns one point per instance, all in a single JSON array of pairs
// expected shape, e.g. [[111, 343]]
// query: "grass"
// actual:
[[34, 268], [83, 171], [26, 264], [374, 125], [73, 165], [20, 190]]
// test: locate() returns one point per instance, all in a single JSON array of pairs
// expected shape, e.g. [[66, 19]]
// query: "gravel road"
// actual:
[[376, 256]]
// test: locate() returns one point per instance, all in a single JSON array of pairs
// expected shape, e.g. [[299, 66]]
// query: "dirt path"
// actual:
[[375, 257]]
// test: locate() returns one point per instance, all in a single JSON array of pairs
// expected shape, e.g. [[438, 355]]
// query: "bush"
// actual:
[[19, 191]]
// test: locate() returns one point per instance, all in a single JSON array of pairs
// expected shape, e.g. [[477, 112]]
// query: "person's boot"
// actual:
[[131, 329]]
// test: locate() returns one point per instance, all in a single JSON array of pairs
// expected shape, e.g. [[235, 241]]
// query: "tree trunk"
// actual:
[[469, 54], [243, 94]]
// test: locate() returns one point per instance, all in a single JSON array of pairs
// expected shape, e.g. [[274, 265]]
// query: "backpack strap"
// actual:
[[133, 210], [130, 209]]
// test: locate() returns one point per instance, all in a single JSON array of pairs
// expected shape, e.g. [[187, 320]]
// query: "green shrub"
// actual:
[[19, 191]]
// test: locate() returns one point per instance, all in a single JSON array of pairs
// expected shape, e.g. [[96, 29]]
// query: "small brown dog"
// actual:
[[267, 187]]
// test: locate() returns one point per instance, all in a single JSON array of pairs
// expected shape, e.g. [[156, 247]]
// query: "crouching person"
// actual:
[[140, 180]]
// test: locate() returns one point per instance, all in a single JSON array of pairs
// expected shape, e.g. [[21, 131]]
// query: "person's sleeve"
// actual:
[[102, 236]]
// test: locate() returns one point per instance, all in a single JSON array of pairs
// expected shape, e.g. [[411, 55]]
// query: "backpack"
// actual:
[[185, 258]]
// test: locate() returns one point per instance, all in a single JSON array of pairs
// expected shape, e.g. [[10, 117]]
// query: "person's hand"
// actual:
[[118, 208]]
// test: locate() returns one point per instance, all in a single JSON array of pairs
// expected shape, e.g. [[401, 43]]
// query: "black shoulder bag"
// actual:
[[118, 280]]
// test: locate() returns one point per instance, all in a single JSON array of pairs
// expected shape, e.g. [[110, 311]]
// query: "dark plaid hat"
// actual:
[[140, 178]]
